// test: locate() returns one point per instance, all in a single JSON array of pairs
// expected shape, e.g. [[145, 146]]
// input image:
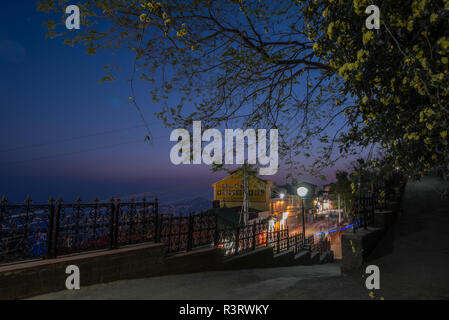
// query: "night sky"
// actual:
[[64, 134]]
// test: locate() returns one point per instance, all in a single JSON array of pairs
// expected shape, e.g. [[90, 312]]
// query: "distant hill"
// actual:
[[186, 206]]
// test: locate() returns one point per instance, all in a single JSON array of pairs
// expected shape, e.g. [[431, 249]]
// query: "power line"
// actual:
[[70, 153], [76, 152], [70, 139]]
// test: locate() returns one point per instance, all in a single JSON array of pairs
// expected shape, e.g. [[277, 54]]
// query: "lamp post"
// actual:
[[302, 192]]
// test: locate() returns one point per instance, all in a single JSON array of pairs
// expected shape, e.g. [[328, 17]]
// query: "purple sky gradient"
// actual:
[[49, 92]]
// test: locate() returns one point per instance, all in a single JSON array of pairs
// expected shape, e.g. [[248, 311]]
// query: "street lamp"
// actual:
[[302, 192], [282, 195]]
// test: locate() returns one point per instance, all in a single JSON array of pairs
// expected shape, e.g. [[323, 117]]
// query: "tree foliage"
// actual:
[[398, 75], [293, 65]]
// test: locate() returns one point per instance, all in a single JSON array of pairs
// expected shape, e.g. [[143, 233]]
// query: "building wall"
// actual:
[[290, 204], [229, 191]]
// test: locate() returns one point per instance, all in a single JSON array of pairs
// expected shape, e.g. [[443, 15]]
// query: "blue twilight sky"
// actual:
[[50, 100]]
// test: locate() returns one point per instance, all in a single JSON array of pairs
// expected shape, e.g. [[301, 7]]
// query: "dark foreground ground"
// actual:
[[413, 259]]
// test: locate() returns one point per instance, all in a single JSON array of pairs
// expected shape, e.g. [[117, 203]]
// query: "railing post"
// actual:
[[170, 225], [156, 221], [4, 202], [50, 227], [111, 224], [254, 236], [365, 213], [77, 222], [57, 223], [268, 234], [288, 240], [143, 217], [117, 221], [25, 231], [237, 240], [190, 232], [216, 234], [95, 220], [277, 240], [130, 219]]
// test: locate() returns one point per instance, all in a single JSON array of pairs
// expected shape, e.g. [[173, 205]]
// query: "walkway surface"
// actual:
[[413, 258]]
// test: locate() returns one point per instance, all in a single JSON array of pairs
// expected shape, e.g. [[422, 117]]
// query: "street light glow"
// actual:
[[302, 191], [282, 195]]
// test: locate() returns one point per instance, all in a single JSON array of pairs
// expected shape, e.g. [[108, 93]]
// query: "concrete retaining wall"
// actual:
[[303, 258], [44, 276], [384, 219], [29, 279], [355, 247], [203, 259], [140, 261], [258, 258], [284, 259]]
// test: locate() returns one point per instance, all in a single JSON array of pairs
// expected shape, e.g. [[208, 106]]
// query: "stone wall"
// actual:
[[356, 247], [29, 279], [44, 276]]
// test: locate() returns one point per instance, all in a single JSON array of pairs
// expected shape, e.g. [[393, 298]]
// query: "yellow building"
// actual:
[[229, 191]]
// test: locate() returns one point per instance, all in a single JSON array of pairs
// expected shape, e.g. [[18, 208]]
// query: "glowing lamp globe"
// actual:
[[302, 191]]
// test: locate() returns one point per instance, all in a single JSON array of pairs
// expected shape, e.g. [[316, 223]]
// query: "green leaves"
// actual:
[[91, 49], [106, 78], [253, 64], [393, 75]]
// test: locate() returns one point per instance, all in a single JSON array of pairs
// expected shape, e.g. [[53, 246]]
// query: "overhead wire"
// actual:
[[94, 134], [75, 152]]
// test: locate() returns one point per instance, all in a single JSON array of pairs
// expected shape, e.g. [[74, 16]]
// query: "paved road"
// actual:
[[243, 284], [413, 259], [414, 256]]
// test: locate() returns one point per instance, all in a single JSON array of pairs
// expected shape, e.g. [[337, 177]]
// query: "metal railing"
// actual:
[[283, 241], [363, 212], [236, 240], [38, 231], [183, 233], [257, 235], [364, 206]]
